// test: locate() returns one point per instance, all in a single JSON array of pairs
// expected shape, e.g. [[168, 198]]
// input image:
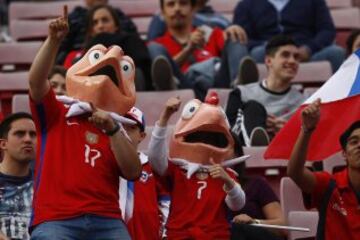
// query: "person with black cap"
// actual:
[[336, 196]]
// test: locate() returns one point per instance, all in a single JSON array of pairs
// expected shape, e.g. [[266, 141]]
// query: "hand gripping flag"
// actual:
[[340, 97]]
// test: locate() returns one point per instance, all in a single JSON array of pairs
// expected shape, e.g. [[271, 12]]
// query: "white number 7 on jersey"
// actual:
[[202, 186]]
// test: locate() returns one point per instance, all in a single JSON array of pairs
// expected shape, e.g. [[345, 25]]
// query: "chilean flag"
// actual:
[[340, 107]]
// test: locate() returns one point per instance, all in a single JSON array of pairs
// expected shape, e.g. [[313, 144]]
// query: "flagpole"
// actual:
[[288, 228]]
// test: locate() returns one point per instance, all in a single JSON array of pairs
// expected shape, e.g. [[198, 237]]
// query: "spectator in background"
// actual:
[[261, 206], [103, 27], [17, 142], [77, 22], [268, 104], [204, 15], [308, 22], [145, 213], [353, 41], [57, 80], [335, 196], [194, 53]]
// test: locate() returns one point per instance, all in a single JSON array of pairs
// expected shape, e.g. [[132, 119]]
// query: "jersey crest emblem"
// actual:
[[91, 138], [202, 175], [145, 176]]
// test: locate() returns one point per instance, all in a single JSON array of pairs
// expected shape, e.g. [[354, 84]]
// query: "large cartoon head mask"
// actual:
[[202, 132], [104, 77]]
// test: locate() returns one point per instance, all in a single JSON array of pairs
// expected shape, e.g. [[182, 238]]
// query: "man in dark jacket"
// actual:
[[307, 21]]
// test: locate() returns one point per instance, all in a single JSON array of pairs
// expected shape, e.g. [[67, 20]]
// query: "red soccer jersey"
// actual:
[[343, 211], [198, 209], [76, 172], [212, 48], [145, 221]]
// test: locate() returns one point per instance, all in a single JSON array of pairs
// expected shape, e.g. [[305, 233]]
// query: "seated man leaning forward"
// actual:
[[83, 148]]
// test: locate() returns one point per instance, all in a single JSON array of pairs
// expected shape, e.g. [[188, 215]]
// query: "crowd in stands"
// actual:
[[132, 194]]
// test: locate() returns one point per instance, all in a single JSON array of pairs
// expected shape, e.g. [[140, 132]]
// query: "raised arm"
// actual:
[[158, 152], [124, 152], [44, 59], [296, 169]]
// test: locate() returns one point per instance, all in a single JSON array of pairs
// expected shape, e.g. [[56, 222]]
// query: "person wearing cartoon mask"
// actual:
[[83, 148], [202, 190]]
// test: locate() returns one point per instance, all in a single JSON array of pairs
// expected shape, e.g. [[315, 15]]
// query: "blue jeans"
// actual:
[[232, 54], [89, 227], [333, 53]]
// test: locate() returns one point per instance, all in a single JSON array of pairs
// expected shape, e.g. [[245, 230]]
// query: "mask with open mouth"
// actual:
[[202, 132], [104, 77]]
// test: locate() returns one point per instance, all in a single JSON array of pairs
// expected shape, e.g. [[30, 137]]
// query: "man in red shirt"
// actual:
[[201, 53], [146, 204], [336, 196], [79, 156]]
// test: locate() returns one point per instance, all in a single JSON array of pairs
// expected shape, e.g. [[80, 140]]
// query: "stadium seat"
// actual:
[[305, 219], [18, 54], [292, 205], [334, 163], [26, 30], [257, 158], [272, 169], [291, 198], [14, 81], [142, 24], [10, 84], [339, 3], [222, 6], [137, 8], [152, 103], [346, 18], [309, 74], [20, 103], [40, 10]]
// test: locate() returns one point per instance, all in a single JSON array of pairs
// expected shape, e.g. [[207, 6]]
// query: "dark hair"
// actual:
[[106, 39], [351, 39], [5, 125], [276, 42], [193, 3], [90, 25], [57, 69], [345, 136]]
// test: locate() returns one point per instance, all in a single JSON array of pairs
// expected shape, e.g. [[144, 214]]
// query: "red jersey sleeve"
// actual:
[[48, 111], [322, 182]]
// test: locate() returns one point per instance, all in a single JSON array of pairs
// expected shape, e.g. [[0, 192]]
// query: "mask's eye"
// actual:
[[190, 109], [126, 68], [95, 56]]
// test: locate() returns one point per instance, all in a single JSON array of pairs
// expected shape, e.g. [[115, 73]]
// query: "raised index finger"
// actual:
[[65, 12]]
